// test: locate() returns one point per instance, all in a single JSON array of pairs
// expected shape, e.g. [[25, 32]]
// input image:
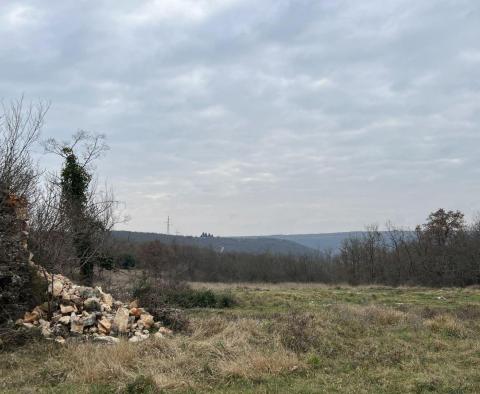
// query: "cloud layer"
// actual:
[[243, 117]]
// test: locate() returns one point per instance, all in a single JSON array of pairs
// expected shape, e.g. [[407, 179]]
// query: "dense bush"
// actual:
[[126, 261], [179, 294], [191, 298]]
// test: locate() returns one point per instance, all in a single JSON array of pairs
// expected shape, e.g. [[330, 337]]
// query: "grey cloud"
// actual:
[[242, 117]]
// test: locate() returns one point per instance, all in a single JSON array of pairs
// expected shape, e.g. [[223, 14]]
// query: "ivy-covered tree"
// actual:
[[86, 217], [74, 181]]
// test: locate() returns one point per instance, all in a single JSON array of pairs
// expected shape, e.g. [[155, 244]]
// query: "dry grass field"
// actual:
[[285, 338]]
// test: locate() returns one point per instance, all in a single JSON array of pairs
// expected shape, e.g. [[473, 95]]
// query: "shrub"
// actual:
[[226, 300], [106, 262], [152, 296], [189, 298], [12, 338], [179, 294], [175, 319], [192, 298], [128, 262]]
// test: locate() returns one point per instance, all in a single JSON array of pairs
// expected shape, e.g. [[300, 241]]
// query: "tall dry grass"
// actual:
[[223, 350], [217, 350]]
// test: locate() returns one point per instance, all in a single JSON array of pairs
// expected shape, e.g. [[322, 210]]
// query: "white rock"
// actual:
[[65, 296], [30, 317], [117, 304], [76, 324], [89, 319], [104, 325], [45, 328], [44, 323], [141, 334], [158, 335], [73, 291], [106, 339], [57, 288], [133, 304], [147, 320], [107, 299], [67, 309], [121, 320], [65, 320], [138, 338], [165, 331]]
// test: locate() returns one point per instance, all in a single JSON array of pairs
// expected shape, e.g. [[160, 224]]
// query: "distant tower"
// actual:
[[168, 225]]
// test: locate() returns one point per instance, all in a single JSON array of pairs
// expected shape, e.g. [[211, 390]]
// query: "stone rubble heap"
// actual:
[[79, 311]]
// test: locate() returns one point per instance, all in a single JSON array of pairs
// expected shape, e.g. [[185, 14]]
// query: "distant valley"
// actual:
[[295, 244]]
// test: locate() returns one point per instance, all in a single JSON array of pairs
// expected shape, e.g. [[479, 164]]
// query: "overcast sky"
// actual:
[[261, 117]]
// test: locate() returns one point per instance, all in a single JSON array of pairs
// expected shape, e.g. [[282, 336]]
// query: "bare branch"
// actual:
[[20, 127]]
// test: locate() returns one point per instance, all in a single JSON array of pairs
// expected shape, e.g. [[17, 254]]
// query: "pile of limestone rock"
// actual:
[[89, 313]]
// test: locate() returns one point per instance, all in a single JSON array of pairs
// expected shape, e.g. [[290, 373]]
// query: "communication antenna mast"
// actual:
[[168, 225]]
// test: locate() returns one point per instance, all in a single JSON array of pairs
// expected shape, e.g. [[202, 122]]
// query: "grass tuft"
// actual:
[[447, 325]]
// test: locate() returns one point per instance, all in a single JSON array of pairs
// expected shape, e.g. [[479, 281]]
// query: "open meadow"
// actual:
[[279, 338]]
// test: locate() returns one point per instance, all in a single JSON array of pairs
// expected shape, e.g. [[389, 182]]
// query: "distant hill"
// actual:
[[254, 245], [322, 242], [296, 244]]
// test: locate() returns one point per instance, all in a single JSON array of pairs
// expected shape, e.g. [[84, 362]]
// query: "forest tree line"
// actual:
[[444, 251]]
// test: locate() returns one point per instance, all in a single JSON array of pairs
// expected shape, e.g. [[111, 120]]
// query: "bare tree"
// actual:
[[74, 211], [20, 126], [90, 146]]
